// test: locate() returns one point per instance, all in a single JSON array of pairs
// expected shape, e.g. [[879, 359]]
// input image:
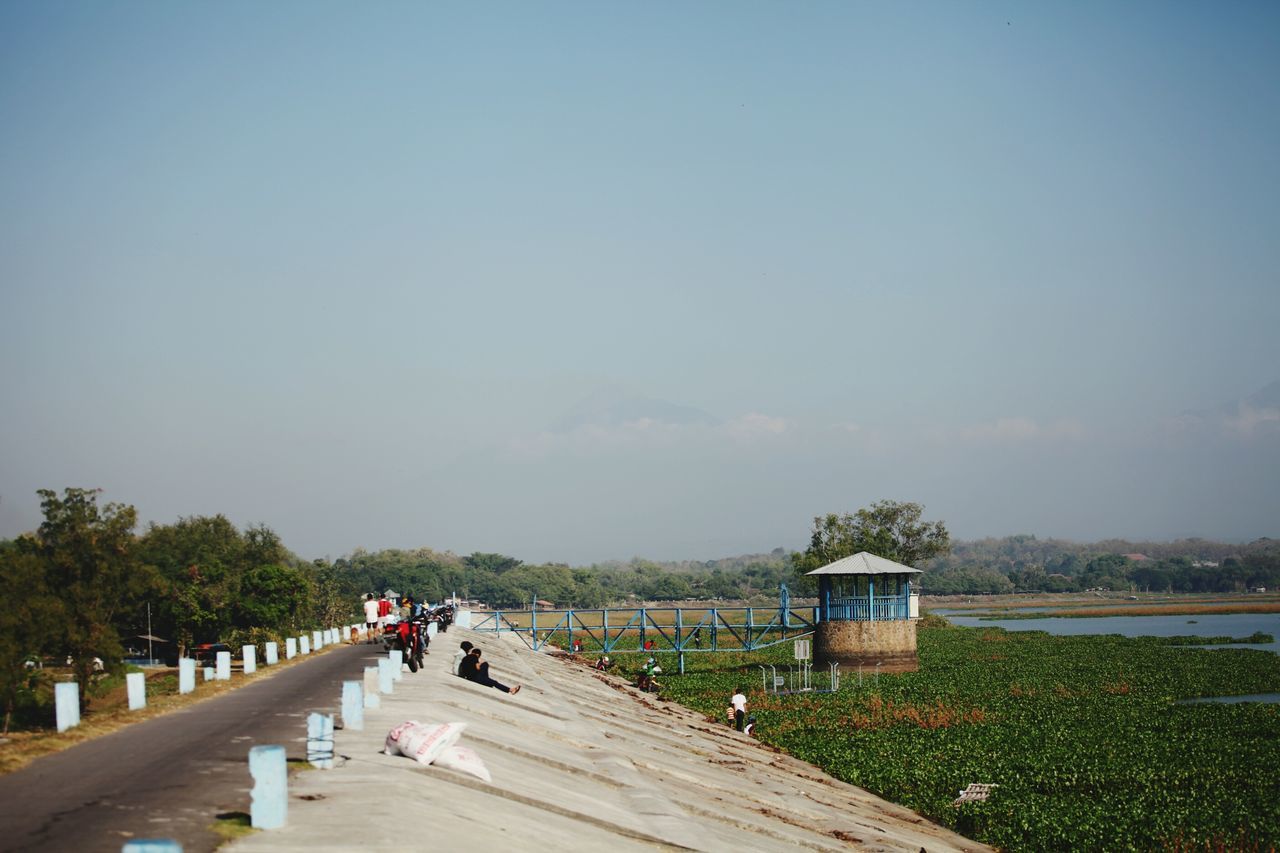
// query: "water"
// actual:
[[1231, 700], [1199, 625]]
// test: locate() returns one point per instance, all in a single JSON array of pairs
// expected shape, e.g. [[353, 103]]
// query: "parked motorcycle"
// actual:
[[410, 637]]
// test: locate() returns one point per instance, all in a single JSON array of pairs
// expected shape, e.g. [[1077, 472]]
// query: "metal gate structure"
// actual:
[[654, 629]]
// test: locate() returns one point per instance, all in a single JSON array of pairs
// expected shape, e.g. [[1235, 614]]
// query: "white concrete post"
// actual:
[[290, 648], [66, 701], [273, 653], [186, 675], [386, 675], [371, 698], [317, 640], [151, 845], [396, 656], [209, 673], [249, 655], [224, 666], [136, 687], [270, 803], [353, 705], [320, 740], [304, 644]]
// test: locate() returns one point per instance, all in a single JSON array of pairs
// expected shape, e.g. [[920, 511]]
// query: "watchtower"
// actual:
[[866, 614]]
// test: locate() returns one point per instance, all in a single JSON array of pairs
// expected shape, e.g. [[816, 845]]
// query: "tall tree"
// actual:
[[202, 559], [28, 619], [888, 529], [90, 565]]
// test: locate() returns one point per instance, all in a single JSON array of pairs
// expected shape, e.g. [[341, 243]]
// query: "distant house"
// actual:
[[542, 602], [1137, 558]]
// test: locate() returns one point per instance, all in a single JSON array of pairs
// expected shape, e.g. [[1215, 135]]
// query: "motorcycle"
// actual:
[[410, 637]]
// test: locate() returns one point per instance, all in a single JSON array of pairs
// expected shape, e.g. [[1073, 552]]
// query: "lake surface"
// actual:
[[1232, 700], [1200, 625]]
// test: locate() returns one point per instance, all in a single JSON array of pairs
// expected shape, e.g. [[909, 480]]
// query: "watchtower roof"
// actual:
[[865, 563]]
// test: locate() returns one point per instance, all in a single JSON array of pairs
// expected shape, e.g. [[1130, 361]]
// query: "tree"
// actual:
[[887, 529], [27, 620], [202, 559], [90, 565]]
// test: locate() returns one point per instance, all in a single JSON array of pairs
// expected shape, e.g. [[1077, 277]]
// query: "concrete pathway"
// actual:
[[580, 762]]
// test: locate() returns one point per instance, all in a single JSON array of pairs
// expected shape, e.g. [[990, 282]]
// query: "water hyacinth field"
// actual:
[[1084, 735]]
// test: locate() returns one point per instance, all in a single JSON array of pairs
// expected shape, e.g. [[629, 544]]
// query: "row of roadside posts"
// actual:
[[268, 764], [66, 695]]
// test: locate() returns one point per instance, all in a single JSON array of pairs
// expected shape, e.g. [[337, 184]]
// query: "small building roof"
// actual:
[[865, 563]]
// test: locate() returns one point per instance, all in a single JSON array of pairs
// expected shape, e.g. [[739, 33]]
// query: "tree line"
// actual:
[[81, 585], [1027, 564]]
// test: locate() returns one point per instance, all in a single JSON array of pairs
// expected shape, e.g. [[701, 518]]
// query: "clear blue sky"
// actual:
[[579, 281]]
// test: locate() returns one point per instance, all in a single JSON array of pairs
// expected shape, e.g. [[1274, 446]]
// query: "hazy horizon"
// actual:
[[580, 282]]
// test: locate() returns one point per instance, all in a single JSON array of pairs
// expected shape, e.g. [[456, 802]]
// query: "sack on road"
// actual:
[[425, 743], [397, 736], [464, 760]]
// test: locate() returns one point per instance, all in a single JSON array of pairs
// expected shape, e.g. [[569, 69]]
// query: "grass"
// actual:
[[230, 826]]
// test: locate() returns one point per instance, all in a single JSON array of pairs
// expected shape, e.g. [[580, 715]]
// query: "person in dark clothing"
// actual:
[[474, 669]]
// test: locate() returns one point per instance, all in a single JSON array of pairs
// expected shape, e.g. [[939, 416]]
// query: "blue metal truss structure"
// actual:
[[656, 629]]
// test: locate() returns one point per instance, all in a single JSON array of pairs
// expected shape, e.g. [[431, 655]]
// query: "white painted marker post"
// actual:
[[320, 740], [249, 656], [270, 804], [396, 656], [136, 686], [290, 648], [386, 676], [273, 653], [317, 640], [353, 705], [371, 698], [66, 701], [209, 673], [304, 644], [186, 675], [224, 666], [151, 845]]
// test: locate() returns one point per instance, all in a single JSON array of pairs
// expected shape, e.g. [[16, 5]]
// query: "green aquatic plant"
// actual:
[[1083, 734]]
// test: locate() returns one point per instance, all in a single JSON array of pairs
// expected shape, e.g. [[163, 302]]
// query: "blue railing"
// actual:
[[655, 629], [864, 609]]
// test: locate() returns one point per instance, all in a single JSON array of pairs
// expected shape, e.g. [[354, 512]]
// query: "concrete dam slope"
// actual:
[[580, 762]]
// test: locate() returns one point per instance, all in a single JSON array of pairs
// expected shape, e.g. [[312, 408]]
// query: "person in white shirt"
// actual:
[[463, 651], [739, 704], [371, 617]]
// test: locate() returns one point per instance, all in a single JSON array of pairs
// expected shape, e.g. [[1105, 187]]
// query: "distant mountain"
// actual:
[[1249, 417], [613, 408], [1267, 398]]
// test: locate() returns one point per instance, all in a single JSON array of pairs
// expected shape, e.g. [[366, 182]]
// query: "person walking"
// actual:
[[371, 617], [739, 705]]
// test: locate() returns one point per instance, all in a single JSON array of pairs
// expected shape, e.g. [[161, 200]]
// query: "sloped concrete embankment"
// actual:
[[580, 762]]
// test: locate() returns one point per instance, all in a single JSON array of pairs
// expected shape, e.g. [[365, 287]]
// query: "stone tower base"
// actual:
[[891, 644]]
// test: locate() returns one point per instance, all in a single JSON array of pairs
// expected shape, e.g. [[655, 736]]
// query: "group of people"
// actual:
[[467, 663], [377, 612]]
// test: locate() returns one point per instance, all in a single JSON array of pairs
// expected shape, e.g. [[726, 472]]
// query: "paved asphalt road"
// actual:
[[169, 777]]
